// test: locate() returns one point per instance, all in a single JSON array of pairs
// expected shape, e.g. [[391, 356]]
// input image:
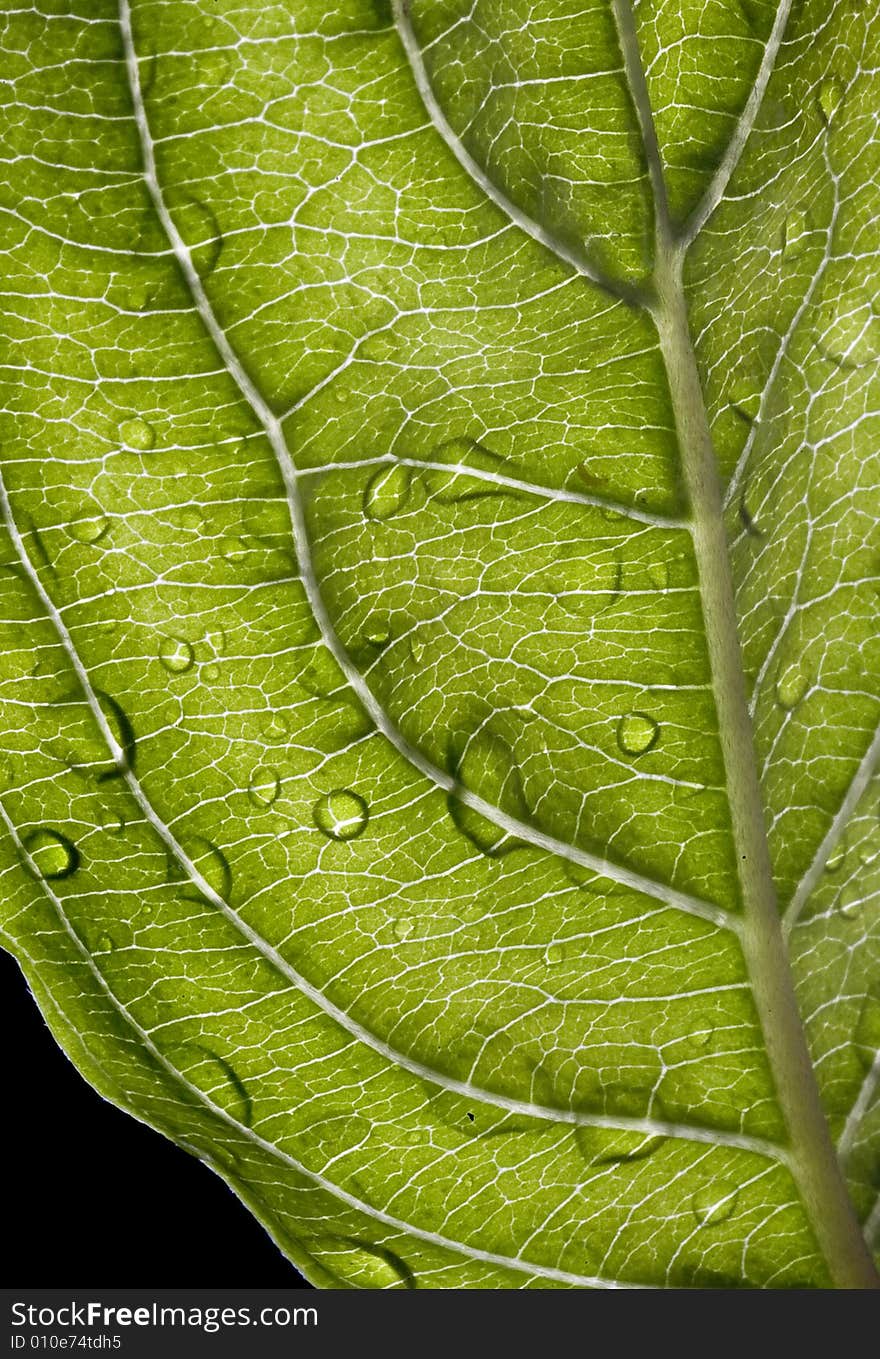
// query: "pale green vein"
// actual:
[[669, 896], [574, 258], [735, 147], [369, 1210], [864, 1099], [280, 964], [560, 494], [867, 768]]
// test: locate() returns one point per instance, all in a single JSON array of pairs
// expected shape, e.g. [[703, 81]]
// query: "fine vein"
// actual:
[[862, 777], [669, 896], [433, 1238], [279, 963], [735, 147], [574, 258]]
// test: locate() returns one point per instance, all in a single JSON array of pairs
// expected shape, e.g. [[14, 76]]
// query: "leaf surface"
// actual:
[[440, 663]]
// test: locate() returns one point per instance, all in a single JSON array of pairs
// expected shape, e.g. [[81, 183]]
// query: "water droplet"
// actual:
[[748, 515], [387, 492], [417, 649], [111, 824], [355, 1265], [637, 733], [217, 641], [210, 863], [275, 727], [795, 235], [137, 434], [867, 1034], [747, 404], [89, 530], [848, 329], [580, 875], [830, 95], [234, 550], [714, 1204], [601, 1146], [555, 953], [403, 927], [138, 297], [851, 899], [342, 814], [191, 518], [211, 673], [53, 855], [105, 944], [215, 1077], [837, 856], [791, 685], [264, 786], [176, 655], [322, 677], [378, 636], [488, 768]]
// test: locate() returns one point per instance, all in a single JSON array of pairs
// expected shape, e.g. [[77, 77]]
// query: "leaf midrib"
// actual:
[[817, 1169]]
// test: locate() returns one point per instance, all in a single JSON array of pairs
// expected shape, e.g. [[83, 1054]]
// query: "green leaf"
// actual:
[[439, 623]]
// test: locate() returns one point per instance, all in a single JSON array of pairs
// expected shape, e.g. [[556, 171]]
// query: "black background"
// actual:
[[93, 1196]]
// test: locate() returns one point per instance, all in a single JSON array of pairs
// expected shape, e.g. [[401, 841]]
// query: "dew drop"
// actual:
[[600, 1146], [211, 673], [637, 733], [387, 492], [581, 876], [837, 856], [89, 530], [341, 815], [355, 1265], [830, 95], [403, 927], [275, 727], [176, 655], [555, 953], [215, 1077], [137, 434], [795, 235], [848, 329], [191, 519], [417, 650], [211, 864], [264, 786], [747, 404], [234, 550], [791, 685], [105, 944], [851, 900], [488, 767], [378, 636], [714, 1204], [111, 824], [53, 855], [867, 1034]]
